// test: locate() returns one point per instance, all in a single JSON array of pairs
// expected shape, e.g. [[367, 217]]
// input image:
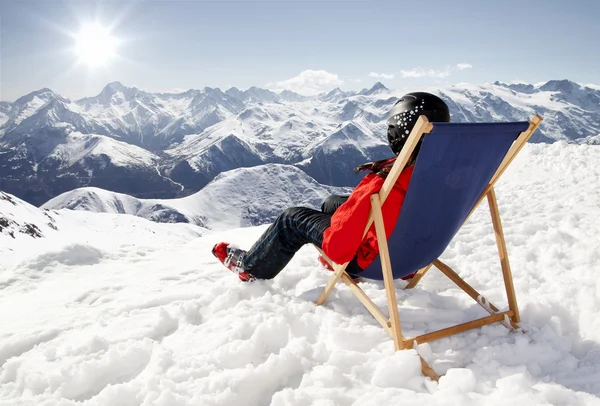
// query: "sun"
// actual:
[[94, 45]]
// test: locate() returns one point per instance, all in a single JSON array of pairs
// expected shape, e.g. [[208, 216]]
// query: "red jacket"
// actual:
[[343, 239]]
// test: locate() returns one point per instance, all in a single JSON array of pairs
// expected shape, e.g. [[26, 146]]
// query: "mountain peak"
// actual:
[[519, 87], [190, 92], [235, 92], [44, 90], [335, 91], [44, 94], [114, 88], [376, 88], [213, 92], [334, 94], [258, 94], [291, 96], [259, 90], [564, 85]]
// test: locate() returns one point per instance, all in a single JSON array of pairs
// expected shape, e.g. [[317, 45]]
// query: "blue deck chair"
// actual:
[[456, 168]]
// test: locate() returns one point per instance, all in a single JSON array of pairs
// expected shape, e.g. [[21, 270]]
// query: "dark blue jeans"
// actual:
[[293, 228]]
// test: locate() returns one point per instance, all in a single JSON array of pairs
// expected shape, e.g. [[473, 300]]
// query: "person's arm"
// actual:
[[342, 239]]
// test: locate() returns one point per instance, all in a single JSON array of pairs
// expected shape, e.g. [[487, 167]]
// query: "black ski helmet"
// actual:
[[406, 111]]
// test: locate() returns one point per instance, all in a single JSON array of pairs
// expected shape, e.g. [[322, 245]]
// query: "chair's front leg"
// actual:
[[388, 277], [337, 274]]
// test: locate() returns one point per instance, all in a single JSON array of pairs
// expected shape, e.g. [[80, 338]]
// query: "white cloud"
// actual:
[[381, 75], [433, 73], [309, 82], [592, 86], [175, 90], [424, 73]]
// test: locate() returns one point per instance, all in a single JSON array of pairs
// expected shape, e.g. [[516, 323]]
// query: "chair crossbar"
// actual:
[[468, 289], [460, 328]]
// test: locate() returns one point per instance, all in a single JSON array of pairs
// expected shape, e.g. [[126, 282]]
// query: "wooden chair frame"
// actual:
[[509, 318]]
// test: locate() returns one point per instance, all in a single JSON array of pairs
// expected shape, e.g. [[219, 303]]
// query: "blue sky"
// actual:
[[306, 46]]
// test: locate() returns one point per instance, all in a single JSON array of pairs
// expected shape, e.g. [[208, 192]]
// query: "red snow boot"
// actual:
[[231, 256]]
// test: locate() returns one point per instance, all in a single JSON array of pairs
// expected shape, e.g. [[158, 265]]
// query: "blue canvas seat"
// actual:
[[454, 166], [457, 167]]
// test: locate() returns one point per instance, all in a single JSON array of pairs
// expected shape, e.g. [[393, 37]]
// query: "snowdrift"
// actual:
[[114, 309]]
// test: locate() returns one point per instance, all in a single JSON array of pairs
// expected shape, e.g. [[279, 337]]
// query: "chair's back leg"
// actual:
[[502, 251], [418, 276], [388, 277]]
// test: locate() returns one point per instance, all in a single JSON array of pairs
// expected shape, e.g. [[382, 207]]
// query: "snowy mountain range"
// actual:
[[167, 145], [238, 198]]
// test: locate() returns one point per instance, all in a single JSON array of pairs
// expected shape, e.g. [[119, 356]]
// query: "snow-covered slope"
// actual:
[[74, 159], [198, 134], [79, 146], [21, 221], [241, 197], [26, 229], [120, 310]]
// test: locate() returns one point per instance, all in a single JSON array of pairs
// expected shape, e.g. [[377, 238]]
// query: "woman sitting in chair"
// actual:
[[338, 228]]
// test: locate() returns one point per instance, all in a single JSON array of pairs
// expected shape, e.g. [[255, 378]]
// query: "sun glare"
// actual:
[[94, 45]]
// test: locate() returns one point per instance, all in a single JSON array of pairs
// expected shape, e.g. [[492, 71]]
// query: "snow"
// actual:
[[114, 309], [249, 196], [77, 146], [127, 113], [20, 221], [30, 108], [123, 154], [273, 131], [467, 94], [355, 134]]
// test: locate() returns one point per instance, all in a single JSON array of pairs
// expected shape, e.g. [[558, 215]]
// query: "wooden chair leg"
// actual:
[[418, 276], [337, 274], [506, 272], [368, 303], [388, 277], [427, 371]]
